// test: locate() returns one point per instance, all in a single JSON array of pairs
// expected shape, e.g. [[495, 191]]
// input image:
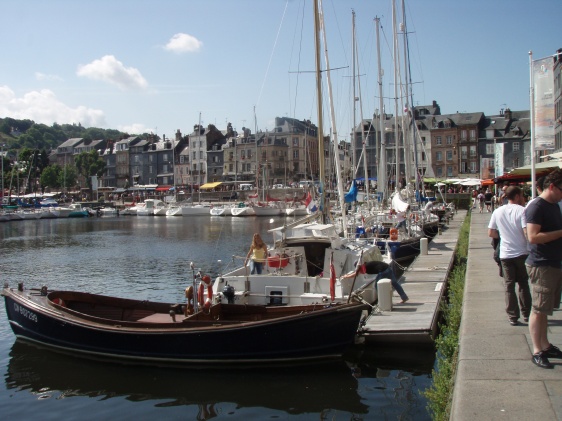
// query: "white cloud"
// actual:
[[183, 43], [111, 70], [44, 107], [43, 76], [135, 128]]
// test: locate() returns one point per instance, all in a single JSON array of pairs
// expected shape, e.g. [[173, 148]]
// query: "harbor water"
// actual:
[[149, 258]]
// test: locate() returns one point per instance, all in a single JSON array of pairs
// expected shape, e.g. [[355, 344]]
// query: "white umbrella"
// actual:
[[440, 184], [471, 182]]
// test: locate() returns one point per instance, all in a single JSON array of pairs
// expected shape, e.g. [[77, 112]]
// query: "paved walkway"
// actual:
[[496, 379]]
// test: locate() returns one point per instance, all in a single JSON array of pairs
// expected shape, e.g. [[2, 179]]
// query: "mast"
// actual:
[[407, 107], [381, 176], [354, 149], [396, 82], [333, 123], [320, 134]]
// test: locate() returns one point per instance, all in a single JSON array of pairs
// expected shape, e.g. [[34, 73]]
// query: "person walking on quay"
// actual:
[[481, 200], [488, 196], [508, 225], [544, 231], [256, 255], [383, 271]]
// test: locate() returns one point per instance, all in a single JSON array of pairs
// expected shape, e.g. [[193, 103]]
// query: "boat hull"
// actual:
[[324, 333]]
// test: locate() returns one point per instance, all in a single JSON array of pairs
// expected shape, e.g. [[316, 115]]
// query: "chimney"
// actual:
[[507, 114]]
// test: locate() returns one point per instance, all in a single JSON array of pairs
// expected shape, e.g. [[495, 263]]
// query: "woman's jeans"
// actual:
[[389, 274], [255, 267]]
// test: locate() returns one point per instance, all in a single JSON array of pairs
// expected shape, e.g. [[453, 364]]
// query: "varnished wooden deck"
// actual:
[[424, 281]]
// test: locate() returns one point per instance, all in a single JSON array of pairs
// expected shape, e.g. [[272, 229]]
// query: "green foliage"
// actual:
[[50, 176], [68, 177], [89, 164], [440, 393]]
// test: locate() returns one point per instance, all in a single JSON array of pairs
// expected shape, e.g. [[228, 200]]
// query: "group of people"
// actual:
[[530, 249]]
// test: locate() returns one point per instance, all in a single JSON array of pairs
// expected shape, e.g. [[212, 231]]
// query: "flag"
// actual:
[[310, 204], [351, 195], [332, 278]]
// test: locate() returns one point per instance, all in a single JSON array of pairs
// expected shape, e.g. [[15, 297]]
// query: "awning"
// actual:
[[210, 185], [163, 188]]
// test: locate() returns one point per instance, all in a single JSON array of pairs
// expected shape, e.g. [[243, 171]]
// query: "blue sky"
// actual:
[[155, 66]]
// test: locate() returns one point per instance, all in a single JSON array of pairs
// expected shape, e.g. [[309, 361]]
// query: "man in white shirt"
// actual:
[[508, 224]]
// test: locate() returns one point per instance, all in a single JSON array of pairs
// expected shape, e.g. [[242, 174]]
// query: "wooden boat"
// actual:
[[147, 331]]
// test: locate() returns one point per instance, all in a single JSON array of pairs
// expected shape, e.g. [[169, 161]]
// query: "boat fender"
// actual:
[[205, 281], [189, 309], [393, 234]]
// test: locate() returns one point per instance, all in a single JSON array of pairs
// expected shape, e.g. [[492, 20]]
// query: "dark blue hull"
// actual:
[[325, 333]]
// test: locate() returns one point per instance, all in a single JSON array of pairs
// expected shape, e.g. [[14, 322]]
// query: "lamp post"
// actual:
[[2, 149]]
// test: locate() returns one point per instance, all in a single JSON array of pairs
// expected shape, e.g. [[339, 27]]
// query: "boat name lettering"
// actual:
[[25, 312]]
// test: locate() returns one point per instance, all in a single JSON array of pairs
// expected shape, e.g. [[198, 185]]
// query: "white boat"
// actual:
[[299, 210], [79, 211], [174, 210], [132, 209], [243, 211], [108, 211], [298, 269], [223, 210], [195, 210], [23, 214], [151, 206], [269, 209]]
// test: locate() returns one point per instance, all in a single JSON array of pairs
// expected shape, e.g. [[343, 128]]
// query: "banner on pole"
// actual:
[[498, 160], [543, 92]]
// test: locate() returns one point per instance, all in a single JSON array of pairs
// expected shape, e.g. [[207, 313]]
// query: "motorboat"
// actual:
[[154, 332], [107, 211], [151, 207], [221, 210], [77, 210], [269, 209]]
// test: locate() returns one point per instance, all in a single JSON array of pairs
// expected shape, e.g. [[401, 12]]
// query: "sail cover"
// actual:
[[351, 195]]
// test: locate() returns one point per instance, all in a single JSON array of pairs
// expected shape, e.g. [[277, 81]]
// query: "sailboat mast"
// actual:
[[381, 176], [396, 82], [407, 107], [354, 148], [319, 106], [333, 121]]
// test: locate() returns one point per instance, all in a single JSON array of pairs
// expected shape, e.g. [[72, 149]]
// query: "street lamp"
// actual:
[[2, 149]]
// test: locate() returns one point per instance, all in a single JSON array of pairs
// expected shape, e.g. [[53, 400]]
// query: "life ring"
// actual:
[[59, 302], [205, 281], [393, 234], [189, 295]]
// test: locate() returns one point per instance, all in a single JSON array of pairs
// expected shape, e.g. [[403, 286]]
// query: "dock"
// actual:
[[425, 281]]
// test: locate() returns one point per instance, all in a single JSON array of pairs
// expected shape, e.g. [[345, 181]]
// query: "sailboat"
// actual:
[[307, 256]]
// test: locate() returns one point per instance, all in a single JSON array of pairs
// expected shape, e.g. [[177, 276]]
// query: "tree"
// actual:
[[89, 164], [50, 176], [67, 177]]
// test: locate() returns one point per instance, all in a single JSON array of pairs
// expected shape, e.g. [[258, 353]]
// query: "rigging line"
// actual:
[[272, 51], [298, 62]]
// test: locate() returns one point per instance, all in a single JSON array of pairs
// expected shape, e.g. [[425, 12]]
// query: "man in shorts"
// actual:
[[508, 223], [544, 231]]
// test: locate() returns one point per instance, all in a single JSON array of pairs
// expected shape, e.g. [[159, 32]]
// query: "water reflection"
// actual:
[[295, 390]]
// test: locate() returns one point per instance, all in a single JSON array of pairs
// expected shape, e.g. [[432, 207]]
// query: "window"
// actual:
[[165, 157], [182, 159], [449, 171], [295, 141], [473, 134], [463, 167], [464, 152], [473, 167], [296, 154], [449, 155], [165, 168], [151, 169], [463, 134], [439, 171], [438, 156], [438, 140], [449, 140], [515, 146], [489, 149], [473, 151]]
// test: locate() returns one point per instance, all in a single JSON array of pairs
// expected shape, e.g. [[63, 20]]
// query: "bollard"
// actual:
[[384, 289], [423, 246]]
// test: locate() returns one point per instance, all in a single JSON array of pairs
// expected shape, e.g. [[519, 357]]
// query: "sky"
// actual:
[[159, 66]]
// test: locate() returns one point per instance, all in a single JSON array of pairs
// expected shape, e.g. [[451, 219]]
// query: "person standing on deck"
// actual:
[[256, 255], [544, 232], [508, 224]]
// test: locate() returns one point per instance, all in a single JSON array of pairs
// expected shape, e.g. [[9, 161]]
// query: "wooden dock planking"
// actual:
[[424, 281]]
